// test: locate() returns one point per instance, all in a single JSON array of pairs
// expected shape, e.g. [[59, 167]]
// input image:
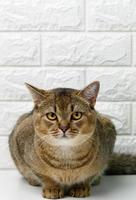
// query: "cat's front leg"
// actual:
[[51, 189], [80, 190]]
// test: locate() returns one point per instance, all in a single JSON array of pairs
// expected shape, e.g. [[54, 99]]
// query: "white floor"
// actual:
[[14, 187]]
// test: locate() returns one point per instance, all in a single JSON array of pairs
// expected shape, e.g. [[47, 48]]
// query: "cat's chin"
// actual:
[[65, 141], [62, 141]]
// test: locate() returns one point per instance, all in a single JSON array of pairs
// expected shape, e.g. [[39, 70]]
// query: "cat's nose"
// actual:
[[64, 128]]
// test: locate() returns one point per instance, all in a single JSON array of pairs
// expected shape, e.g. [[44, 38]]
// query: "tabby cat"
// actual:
[[63, 144]]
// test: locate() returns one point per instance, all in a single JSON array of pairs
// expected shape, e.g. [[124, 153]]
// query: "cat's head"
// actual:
[[63, 115]]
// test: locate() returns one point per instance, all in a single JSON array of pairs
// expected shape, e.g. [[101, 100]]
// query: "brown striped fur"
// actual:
[[63, 161], [121, 164]]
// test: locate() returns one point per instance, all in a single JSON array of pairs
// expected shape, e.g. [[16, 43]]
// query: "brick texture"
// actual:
[[12, 80], [19, 49], [114, 15], [41, 15], [86, 49]]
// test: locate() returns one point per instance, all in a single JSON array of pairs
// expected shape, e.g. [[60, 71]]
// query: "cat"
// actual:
[[63, 144]]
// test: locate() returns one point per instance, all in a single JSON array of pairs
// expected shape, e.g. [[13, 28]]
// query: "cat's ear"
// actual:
[[36, 93], [90, 92]]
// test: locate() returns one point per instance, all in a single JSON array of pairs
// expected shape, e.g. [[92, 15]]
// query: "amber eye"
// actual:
[[76, 115], [51, 116]]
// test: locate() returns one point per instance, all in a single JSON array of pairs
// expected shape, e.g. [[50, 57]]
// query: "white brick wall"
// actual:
[[68, 43]]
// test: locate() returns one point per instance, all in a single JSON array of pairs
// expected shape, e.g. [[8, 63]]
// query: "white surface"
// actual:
[[14, 187]]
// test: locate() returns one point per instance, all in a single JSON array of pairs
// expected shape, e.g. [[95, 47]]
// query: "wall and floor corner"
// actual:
[[69, 43]]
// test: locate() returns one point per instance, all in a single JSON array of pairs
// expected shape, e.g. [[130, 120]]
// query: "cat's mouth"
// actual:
[[66, 135]]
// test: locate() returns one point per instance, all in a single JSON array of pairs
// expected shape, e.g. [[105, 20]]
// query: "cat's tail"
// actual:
[[121, 164]]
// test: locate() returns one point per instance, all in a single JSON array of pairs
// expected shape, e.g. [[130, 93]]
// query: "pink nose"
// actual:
[[64, 128]]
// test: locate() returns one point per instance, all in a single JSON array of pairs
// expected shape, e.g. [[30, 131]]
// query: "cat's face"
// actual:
[[63, 115]]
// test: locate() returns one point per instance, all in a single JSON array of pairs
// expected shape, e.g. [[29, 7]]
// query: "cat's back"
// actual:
[[23, 122], [105, 122], [22, 130], [107, 133]]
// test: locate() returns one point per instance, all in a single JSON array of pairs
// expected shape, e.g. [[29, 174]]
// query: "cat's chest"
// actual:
[[65, 165], [71, 176], [88, 166], [79, 170]]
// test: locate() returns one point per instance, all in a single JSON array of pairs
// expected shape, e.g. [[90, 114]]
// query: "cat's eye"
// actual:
[[76, 115], [51, 116]]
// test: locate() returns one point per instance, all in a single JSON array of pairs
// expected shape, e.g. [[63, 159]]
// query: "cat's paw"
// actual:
[[53, 193], [80, 191]]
